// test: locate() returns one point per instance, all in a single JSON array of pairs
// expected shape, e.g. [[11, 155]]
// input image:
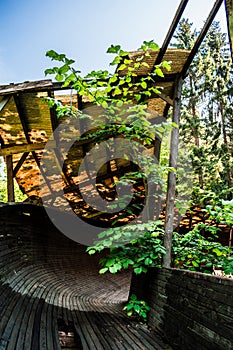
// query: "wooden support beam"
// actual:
[[20, 163], [171, 31], [1, 143], [22, 117], [26, 132], [60, 163], [42, 172], [53, 113], [164, 98], [14, 149], [171, 188], [4, 102], [10, 179], [166, 110]]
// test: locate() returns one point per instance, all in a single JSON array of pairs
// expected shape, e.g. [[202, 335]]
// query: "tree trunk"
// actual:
[[171, 189], [221, 110], [10, 179], [196, 133]]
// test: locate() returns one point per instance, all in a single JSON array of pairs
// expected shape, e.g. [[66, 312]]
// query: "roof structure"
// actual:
[[27, 123]]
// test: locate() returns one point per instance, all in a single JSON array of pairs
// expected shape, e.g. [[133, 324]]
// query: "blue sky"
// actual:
[[83, 29]]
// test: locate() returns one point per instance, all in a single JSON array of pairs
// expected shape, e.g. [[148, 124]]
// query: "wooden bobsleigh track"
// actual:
[[49, 286]]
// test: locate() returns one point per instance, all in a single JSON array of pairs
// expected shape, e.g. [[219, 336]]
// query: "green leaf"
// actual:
[[160, 128], [117, 91], [195, 264], [102, 271], [143, 84], [153, 46], [49, 71], [69, 62], [217, 252], [113, 79], [114, 49], [166, 65], [116, 61], [92, 251], [113, 269], [122, 67], [52, 54], [64, 69], [145, 64], [110, 262], [138, 270], [123, 53], [159, 72], [59, 77], [120, 103], [137, 308], [104, 104], [148, 261]]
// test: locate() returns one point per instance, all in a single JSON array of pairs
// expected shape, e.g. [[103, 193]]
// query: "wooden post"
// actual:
[[10, 179], [171, 188]]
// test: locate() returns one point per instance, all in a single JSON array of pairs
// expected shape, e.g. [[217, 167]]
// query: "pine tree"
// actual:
[[207, 112]]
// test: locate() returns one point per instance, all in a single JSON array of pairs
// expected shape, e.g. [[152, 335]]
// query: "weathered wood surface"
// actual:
[[46, 277], [15, 149], [40, 85], [192, 310]]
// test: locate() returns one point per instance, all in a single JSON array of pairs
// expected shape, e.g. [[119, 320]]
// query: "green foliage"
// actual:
[[102, 87], [137, 308], [220, 213], [123, 97], [116, 93], [19, 196], [144, 250], [3, 191], [198, 250]]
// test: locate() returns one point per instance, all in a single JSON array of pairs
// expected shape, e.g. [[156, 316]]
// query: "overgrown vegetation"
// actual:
[[197, 250], [141, 253], [206, 129], [123, 112], [137, 308], [19, 196]]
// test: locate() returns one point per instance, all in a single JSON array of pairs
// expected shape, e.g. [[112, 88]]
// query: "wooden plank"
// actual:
[[10, 179], [40, 85], [10, 150]]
